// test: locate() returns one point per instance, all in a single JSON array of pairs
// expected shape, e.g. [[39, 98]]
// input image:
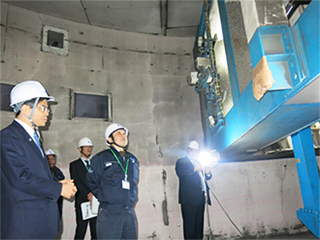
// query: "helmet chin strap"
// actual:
[[30, 118], [86, 155], [117, 144]]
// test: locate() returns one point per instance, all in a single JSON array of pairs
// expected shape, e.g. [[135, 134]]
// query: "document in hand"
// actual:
[[86, 211]]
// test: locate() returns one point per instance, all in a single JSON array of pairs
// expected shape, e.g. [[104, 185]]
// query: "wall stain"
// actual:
[[152, 236], [125, 50], [78, 42], [260, 234], [298, 226], [165, 216], [160, 151], [140, 51], [165, 212], [282, 186]]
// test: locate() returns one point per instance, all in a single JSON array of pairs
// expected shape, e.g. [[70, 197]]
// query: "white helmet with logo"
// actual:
[[26, 91], [85, 142], [194, 145], [112, 128], [49, 152]]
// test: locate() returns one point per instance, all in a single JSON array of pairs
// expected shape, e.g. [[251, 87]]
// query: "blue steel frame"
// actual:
[[252, 124], [248, 119], [309, 180]]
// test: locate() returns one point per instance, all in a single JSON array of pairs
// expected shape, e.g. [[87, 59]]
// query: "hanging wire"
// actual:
[[210, 235], [210, 232]]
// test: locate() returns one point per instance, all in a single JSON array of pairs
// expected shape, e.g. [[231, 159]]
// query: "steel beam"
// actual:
[[309, 179]]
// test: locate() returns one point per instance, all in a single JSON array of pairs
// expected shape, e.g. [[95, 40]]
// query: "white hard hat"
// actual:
[[85, 142], [194, 145], [112, 128], [50, 152], [25, 91]]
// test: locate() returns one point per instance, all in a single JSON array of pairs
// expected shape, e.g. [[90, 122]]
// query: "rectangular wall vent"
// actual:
[[55, 40]]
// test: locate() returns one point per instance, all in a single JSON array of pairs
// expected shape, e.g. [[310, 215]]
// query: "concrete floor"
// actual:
[[307, 235]]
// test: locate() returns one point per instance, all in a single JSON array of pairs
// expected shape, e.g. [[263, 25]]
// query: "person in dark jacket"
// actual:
[[29, 195], [113, 180], [56, 174], [193, 191], [78, 171]]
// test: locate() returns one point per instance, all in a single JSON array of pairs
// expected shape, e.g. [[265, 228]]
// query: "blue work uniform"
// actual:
[[117, 195]]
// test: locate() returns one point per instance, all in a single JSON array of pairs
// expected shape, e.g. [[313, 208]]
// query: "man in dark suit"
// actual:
[[29, 195], [78, 171], [193, 191]]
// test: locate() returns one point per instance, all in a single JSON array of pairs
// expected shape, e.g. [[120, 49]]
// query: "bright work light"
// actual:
[[207, 158]]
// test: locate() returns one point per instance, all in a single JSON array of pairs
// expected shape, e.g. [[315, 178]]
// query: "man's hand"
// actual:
[[69, 181], [89, 196], [198, 168], [68, 188]]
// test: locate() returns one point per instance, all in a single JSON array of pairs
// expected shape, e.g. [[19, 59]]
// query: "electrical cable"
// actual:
[[226, 215], [218, 90], [210, 235]]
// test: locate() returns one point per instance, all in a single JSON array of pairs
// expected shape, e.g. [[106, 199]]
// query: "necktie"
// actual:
[[35, 135], [87, 164]]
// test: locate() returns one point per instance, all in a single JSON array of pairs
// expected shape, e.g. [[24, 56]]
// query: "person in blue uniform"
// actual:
[[52, 160], [193, 191], [113, 180], [29, 194], [78, 171], [57, 174]]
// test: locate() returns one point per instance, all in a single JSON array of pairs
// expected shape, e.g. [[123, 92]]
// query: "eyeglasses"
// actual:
[[44, 109]]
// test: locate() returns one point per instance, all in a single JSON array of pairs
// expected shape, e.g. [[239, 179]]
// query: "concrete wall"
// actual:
[[147, 78]]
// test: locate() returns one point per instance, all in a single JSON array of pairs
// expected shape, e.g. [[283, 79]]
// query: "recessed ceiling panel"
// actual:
[[167, 17], [184, 13], [69, 10], [136, 16]]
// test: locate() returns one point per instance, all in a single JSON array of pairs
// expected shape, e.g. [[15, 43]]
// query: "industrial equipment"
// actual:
[[282, 98]]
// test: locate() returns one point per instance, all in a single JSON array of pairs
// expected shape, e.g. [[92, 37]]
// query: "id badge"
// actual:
[[125, 184]]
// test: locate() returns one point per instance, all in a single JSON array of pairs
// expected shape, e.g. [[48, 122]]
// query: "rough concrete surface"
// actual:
[[146, 76]]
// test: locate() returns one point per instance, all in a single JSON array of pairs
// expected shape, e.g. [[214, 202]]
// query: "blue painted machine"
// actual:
[[288, 107]]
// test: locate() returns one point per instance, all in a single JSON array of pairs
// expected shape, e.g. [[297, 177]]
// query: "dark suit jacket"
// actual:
[[29, 195], [78, 172], [190, 191]]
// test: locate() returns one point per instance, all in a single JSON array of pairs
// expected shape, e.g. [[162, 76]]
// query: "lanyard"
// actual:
[[125, 171]]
